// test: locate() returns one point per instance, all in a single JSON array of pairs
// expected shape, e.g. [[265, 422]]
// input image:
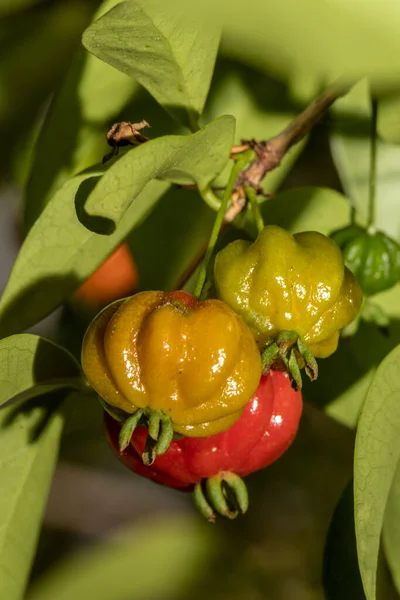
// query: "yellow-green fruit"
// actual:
[[289, 282]]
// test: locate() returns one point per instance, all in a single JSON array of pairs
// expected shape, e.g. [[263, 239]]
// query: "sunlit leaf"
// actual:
[[196, 158], [59, 253], [170, 52]]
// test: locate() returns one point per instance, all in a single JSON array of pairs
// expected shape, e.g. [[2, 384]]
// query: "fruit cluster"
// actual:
[[198, 394]]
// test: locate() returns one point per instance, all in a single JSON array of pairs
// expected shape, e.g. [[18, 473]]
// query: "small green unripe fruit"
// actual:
[[374, 258]]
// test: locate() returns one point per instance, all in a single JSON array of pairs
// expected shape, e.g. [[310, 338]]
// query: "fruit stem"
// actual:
[[372, 167], [251, 194], [210, 198], [237, 167]]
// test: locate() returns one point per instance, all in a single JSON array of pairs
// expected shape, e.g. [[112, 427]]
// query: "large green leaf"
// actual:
[[155, 559], [59, 253], [31, 365], [196, 158], [73, 134], [171, 53], [29, 444], [376, 456]]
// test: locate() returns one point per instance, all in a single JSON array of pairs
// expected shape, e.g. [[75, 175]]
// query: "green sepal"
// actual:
[[224, 494]]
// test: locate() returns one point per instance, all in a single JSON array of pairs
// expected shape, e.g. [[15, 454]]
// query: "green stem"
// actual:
[[210, 198], [372, 168], [251, 194], [193, 121], [236, 169]]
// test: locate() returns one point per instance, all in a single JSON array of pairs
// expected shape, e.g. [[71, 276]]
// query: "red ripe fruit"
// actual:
[[258, 438]]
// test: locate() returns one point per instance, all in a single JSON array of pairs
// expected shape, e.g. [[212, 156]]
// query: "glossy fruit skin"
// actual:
[[195, 361], [259, 437], [289, 282], [116, 278], [374, 258]]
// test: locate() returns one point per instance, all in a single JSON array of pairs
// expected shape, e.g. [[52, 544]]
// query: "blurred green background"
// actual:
[[108, 534]]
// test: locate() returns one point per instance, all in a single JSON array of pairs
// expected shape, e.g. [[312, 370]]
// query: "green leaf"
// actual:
[[376, 456], [155, 559], [170, 53], [196, 158], [59, 253], [31, 365], [29, 443], [73, 135]]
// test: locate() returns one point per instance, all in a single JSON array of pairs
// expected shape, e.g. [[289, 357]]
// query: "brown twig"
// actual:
[[269, 155]]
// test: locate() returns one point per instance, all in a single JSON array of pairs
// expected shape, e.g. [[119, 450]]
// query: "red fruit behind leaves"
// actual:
[[261, 435], [116, 278]]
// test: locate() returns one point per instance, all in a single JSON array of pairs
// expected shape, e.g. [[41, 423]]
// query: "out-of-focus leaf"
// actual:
[[261, 109], [171, 53], [32, 64], [29, 443], [376, 456], [355, 361], [59, 253], [350, 145], [156, 559], [31, 365], [307, 208], [196, 158], [389, 119], [72, 137], [9, 7], [279, 39]]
